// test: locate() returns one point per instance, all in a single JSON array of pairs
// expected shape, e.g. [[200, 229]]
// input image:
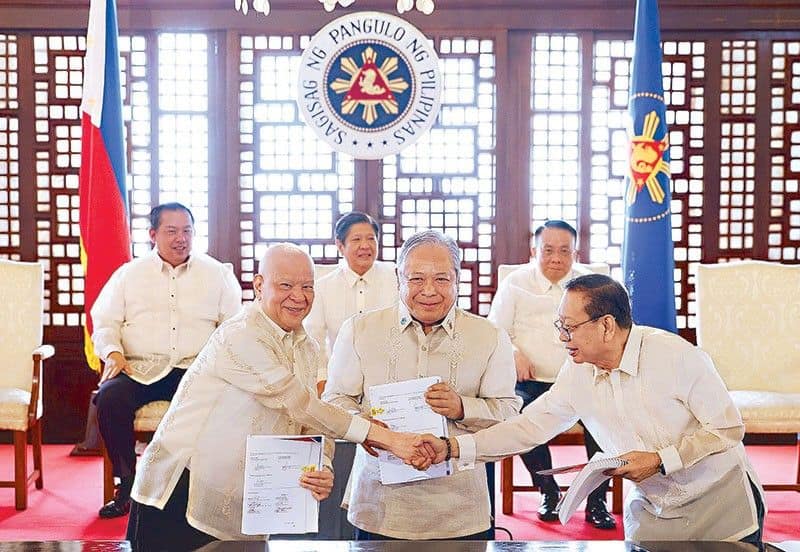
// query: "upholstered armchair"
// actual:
[[573, 436], [22, 353], [145, 424], [748, 321]]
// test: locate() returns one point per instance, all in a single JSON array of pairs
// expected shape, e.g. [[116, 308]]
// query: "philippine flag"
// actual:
[[105, 233]]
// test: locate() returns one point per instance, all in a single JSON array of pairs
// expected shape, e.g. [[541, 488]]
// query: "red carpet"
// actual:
[[66, 509], [775, 464]]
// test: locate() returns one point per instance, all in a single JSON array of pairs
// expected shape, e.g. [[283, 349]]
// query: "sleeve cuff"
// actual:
[[358, 430], [107, 350], [466, 453], [670, 459], [471, 406]]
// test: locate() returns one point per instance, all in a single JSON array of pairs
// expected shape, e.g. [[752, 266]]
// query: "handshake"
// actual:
[[420, 451]]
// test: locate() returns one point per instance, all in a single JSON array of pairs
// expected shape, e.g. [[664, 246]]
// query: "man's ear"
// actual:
[[258, 284], [152, 233], [609, 327], [533, 252], [340, 246]]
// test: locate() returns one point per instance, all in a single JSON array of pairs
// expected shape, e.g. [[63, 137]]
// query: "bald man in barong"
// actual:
[[255, 376]]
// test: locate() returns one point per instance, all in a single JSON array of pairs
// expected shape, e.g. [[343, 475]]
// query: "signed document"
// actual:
[[273, 500], [402, 407], [589, 477]]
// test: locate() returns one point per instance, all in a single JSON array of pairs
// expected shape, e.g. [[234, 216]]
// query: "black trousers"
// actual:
[[755, 538], [539, 458], [151, 529], [117, 401]]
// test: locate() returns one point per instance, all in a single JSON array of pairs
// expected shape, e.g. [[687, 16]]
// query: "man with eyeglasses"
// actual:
[[651, 398], [525, 305], [424, 334]]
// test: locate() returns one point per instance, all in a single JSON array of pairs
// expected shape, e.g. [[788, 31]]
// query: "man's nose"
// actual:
[[428, 288]]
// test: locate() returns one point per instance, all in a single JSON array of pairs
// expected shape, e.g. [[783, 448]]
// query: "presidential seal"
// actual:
[[369, 84]]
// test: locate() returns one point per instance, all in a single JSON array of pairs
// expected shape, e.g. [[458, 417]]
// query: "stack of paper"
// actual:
[[273, 500], [402, 407], [590, 476]]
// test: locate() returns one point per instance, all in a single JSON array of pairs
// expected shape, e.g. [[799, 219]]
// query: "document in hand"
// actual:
[[273, 500], [402, 407], [590, 476]]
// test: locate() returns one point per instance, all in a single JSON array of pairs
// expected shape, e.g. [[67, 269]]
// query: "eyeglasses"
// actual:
[[566, 331]]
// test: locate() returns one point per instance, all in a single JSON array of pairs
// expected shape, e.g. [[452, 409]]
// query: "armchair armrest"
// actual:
[[39, 354], [44, 351]]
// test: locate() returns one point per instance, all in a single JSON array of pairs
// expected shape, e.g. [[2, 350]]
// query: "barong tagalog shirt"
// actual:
[[470, 354], [252, 378], [665, 397], [342, 293], [153, 312], [525, 306]]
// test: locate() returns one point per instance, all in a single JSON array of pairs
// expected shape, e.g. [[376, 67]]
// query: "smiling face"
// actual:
[[428, 283], [285, 287], [555, 253], [360, 247], [173, 237], [585, 343]]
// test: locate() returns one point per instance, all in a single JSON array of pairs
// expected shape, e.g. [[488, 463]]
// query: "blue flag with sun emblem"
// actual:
[[647, 252]]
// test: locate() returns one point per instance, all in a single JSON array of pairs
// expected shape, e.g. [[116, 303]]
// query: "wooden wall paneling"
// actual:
[[511, 25], [712, 131], [584, 202], [512, 237], [219, 182], [763, 165], [226, 189], [784, 215], [27, 155]]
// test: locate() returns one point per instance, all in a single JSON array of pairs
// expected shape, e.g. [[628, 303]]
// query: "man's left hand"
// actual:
[[640, 465], [320, 483], [444, 400]]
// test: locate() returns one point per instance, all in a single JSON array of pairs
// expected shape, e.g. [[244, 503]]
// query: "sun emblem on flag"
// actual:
[[369, 86], [647, 161]]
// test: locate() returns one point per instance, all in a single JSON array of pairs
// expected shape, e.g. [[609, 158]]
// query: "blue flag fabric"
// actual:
[[647, 251]]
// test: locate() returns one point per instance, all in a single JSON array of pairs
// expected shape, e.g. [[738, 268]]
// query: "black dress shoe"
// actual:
[[118, 507], [597, 515], [547, 509]]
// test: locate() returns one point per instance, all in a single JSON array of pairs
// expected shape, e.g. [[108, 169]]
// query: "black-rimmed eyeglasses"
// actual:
[[566, 331]]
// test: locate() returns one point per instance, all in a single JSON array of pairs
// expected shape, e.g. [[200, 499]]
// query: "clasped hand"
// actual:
[[420, 451]]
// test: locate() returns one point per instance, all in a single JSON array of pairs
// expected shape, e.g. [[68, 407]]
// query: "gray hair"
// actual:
[[430, 237]]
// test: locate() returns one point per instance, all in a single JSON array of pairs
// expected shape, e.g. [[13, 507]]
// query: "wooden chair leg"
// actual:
[[507, 484], [798, 463], [616, 495], [36, 440], [108, 474], [20, 470]]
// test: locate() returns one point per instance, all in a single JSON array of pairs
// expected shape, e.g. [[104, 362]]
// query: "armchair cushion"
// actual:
[[768, 412], [14, 409], [148, 417]]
